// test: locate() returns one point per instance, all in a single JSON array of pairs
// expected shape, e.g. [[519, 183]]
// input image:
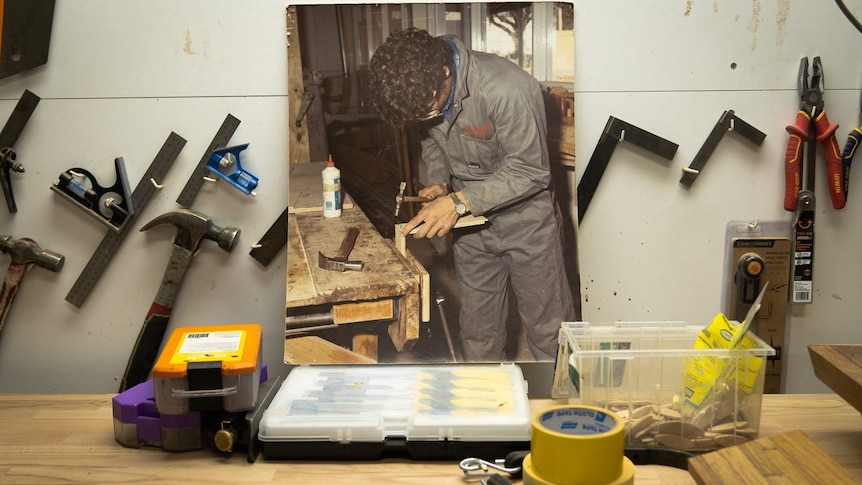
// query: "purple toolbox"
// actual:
[[137, 422]]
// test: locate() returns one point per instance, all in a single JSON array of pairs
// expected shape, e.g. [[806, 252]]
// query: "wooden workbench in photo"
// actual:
[[48, 439], [387, 289]]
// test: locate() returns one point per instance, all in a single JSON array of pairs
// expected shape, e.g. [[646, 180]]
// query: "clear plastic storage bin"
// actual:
[[669, 393]]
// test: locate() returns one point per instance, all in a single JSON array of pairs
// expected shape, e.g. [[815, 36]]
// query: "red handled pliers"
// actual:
[[811, 124]]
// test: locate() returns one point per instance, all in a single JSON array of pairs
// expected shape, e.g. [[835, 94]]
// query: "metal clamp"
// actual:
[[474, 466]]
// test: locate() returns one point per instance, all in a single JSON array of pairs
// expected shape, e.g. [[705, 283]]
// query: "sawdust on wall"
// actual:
[[754, 22], [781, 16], [187, 46]]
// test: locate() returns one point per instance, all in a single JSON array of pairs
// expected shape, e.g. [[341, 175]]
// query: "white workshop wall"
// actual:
[[649, 248], [121, 76]]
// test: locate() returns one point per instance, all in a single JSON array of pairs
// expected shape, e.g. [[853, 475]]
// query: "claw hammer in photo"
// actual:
[[192, 228], [339, 262], [401, 198], [25, 254]]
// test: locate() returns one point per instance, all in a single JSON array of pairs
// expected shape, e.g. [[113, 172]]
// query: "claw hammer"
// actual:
[[339, 262], [401, 198], [192, 228], [25, 254]]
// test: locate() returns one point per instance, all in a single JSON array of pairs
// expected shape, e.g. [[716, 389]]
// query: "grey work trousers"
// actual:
[[519, 248]]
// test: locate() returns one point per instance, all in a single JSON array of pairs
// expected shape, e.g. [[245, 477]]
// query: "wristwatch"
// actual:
[[460, 208]]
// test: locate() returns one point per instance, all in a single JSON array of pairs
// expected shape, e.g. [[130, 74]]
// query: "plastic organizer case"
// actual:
[[670, 393], [409, 411]]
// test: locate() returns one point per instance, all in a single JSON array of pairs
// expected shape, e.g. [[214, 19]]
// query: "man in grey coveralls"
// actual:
[[487, 154]]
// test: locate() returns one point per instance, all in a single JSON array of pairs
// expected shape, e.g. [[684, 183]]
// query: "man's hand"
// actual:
[[436, 218], [434, 191]]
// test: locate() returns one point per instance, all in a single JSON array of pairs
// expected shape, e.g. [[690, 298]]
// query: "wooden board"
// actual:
[[366, 345], [400, 243], [298, 135], [561, 139], [424, 283], [300, 286], [840, 368], [468, 220], [69, 439], [789, 458], [305, 189], [385, 276], [404, 332], [315, 350]]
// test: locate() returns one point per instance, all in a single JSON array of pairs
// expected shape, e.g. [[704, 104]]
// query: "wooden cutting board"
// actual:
[[840, 368], [789, 458]]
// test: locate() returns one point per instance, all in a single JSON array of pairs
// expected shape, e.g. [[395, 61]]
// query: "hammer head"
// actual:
[[192, 227], [400, 197], [26, 251], [338, 264]]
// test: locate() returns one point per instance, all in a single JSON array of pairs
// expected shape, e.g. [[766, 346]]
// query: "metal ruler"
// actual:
[[11, 131], [272, 241], [112, 240], [196, 181]]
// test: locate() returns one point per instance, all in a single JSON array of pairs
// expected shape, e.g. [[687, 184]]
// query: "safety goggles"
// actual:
[[439, 103]]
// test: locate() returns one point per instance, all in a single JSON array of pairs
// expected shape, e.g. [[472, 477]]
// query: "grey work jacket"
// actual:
[[494, 146]]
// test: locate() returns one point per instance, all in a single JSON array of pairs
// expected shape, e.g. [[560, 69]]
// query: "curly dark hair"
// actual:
[[405, 71]]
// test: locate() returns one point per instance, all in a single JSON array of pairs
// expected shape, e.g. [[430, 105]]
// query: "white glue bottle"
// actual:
[[331, 190]]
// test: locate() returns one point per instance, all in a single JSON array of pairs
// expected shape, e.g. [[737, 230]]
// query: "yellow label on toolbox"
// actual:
[[224, 346], [237, 347]]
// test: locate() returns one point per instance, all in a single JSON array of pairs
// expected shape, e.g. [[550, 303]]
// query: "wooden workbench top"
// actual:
[[48, 439], [385, 273]]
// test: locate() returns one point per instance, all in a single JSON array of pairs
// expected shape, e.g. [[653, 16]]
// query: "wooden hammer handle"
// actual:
[[347, 244]]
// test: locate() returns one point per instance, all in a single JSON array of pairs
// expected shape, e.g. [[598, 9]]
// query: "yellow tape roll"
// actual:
[[577, 445]]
